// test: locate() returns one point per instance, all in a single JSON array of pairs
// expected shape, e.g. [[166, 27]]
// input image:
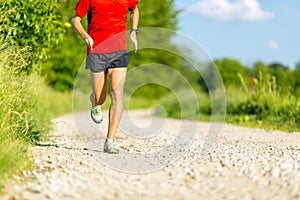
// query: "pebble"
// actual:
[[239, 167]]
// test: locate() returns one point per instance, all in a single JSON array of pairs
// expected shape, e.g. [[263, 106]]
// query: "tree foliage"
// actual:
[[286, 78], [229, 69], [31, 23], [296, 74], [155, 14], [61, 69], [158, 13]]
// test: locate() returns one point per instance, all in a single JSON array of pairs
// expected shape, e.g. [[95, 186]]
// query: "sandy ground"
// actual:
[[160, 159]]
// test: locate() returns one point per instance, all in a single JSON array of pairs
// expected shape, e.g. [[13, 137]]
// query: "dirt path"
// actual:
[[245, 163]]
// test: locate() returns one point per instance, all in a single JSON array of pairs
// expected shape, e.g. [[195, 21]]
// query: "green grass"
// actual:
[[13, 159], [24, 117], [263, 105], [57, 103]]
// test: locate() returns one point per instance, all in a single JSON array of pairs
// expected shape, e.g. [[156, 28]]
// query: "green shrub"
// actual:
[[266, 104], [182, 105], [31, 23], [13, 158], [23, 116], [28, 31]]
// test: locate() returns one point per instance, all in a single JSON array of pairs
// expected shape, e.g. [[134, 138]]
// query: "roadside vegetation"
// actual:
[[22, 115], [260, 96], [26, 38]]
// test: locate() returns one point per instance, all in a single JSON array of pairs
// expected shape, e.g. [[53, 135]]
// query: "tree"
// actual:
[[296, 74], [260, 67], [284, 76], [149, 12], [229, 70], [61, 69], [34, 24]]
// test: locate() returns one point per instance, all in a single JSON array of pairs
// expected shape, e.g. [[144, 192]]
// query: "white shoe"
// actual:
[[96, 114], [110, 147]]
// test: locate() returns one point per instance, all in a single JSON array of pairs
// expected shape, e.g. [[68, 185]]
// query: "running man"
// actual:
[[107, 57]]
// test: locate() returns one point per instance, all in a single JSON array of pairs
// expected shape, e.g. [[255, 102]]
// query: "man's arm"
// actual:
[[134, 18], [134, 21], [76, 22]]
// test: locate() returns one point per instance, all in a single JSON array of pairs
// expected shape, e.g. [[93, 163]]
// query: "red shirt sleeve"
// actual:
[[82, 7], [132, 4]]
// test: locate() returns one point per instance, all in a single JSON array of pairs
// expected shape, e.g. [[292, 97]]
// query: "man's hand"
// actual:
[[133, 38], [89, 42], [76, 22]]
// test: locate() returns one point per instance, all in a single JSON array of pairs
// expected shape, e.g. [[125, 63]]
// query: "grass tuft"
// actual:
[[24, 118]]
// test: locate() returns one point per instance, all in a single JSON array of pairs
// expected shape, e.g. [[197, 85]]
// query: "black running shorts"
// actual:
[[101, 62]]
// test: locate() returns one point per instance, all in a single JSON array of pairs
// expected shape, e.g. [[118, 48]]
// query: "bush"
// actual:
[[28, 31], [13, 158], [23, 117], [266, 104], [22, 114], [31, 23]]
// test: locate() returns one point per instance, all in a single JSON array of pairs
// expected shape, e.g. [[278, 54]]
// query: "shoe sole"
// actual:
[[97, 122], [111, 151]]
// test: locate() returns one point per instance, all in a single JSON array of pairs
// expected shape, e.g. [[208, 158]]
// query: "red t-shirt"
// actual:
[[106, 22]]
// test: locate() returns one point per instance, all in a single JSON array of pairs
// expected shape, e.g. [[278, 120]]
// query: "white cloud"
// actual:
[[224, 10], [272, 44]]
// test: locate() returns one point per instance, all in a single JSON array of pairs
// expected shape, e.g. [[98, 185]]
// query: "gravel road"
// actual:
[[244, 163]]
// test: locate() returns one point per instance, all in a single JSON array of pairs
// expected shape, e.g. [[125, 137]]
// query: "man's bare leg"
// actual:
[[117, 78], [99, 85], [98, 95]]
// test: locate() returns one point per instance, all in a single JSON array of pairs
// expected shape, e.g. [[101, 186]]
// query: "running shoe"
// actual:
[[96, 114], [109, 147]]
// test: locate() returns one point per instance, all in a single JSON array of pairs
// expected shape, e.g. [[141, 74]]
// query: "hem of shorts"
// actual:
[[122, 50], [105, 69]]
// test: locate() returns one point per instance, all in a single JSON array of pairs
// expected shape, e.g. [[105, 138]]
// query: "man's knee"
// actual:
[[116, 95], [98, 99]]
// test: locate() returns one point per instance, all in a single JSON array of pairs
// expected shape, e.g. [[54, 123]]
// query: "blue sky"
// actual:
[[247, 30]]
